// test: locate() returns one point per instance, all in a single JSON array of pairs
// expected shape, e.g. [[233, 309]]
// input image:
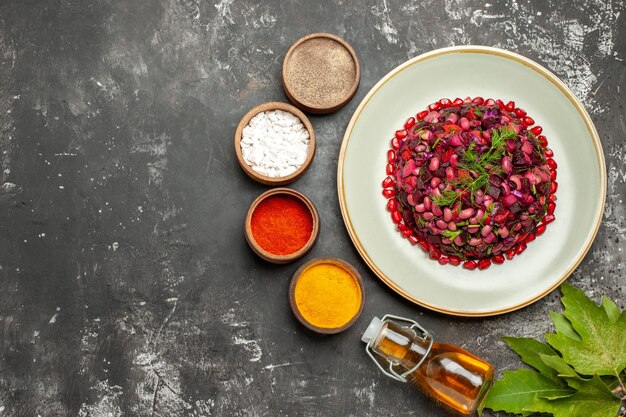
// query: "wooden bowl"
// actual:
[[292, 298], [282, 259], [321, 73], [263, 179]]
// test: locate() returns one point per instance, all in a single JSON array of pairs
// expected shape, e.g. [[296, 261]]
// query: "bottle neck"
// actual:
[[400, 345]]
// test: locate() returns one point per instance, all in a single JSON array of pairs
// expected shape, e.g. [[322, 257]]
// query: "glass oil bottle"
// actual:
[[447, 373]]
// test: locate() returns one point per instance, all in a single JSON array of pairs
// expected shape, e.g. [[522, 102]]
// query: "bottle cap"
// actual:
[[372, 330]]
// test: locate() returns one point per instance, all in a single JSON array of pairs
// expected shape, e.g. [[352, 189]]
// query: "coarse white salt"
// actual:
[[275, 143]]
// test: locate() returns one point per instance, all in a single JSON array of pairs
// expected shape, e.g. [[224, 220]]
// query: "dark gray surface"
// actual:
[[126, 287]]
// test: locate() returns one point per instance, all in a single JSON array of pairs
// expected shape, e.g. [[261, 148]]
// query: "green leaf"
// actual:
[[562, 325], [530, 350], [578, 382], [556, 363], [611, 309], [566, 372], [602, 348], [519, 388], [593, 399]]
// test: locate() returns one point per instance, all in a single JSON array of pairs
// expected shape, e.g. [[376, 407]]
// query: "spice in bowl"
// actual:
[[275, 143], [326, 295], [321, 73], [282, 225]]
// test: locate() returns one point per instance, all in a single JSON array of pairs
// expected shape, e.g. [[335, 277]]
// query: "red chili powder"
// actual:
[[281, 224]]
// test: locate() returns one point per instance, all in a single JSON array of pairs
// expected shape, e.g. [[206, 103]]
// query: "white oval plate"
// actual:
[[459, 72]]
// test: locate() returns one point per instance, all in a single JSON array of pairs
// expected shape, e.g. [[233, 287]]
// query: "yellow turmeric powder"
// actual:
[[327, 295]]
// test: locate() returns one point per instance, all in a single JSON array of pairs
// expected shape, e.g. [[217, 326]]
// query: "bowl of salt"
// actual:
[[275, 143]]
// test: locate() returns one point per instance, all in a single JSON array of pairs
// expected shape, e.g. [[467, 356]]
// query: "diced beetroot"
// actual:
[[509, 200], [527, 147]]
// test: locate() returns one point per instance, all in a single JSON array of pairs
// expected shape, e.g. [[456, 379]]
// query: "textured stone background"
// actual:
[[126, 287]]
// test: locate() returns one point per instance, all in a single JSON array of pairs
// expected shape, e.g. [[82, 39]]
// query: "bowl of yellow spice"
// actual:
[[326, 295]]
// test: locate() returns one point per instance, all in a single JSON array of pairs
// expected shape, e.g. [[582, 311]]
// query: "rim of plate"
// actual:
[[474, 49]]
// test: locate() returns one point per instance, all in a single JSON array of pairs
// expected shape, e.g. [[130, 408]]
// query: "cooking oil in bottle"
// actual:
[[447, 373]]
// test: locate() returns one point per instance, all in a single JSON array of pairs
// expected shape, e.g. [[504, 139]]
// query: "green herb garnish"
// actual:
[[450, 234], [480, 167], [436, 143], [448, 197], [419, 220]]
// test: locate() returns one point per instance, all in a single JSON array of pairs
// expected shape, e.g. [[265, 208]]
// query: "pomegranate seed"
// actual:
[[500, 104], [471, 265], [392, 204], [543, 141], [553, 175], [414, 240], [401, 134], [444, 102], [389, 169], [434, 107], [510, 106], [498, 259], [484, 264], [537, 130], [391, 155], [540, 229], [467, 100], [551, 207], [548, 219], [489, 102], [455, 260], [528, 121], [510, 254], [407, 233], [422, 114], [457, 101], [424, 245], [388, 182], [409, 123], [395, 143], [478, 100], [520, 248], [402, 227], [529, 238], [396, 217], [548, 152], [553, 198], [389, 192], [520, 113], [551, 163], [553, 187], [443, 260]]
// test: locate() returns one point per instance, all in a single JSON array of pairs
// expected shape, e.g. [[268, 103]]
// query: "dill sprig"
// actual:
[[480, 167], [447, 198]]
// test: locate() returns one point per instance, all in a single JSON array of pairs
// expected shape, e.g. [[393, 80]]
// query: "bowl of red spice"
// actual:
[[282, 225]]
